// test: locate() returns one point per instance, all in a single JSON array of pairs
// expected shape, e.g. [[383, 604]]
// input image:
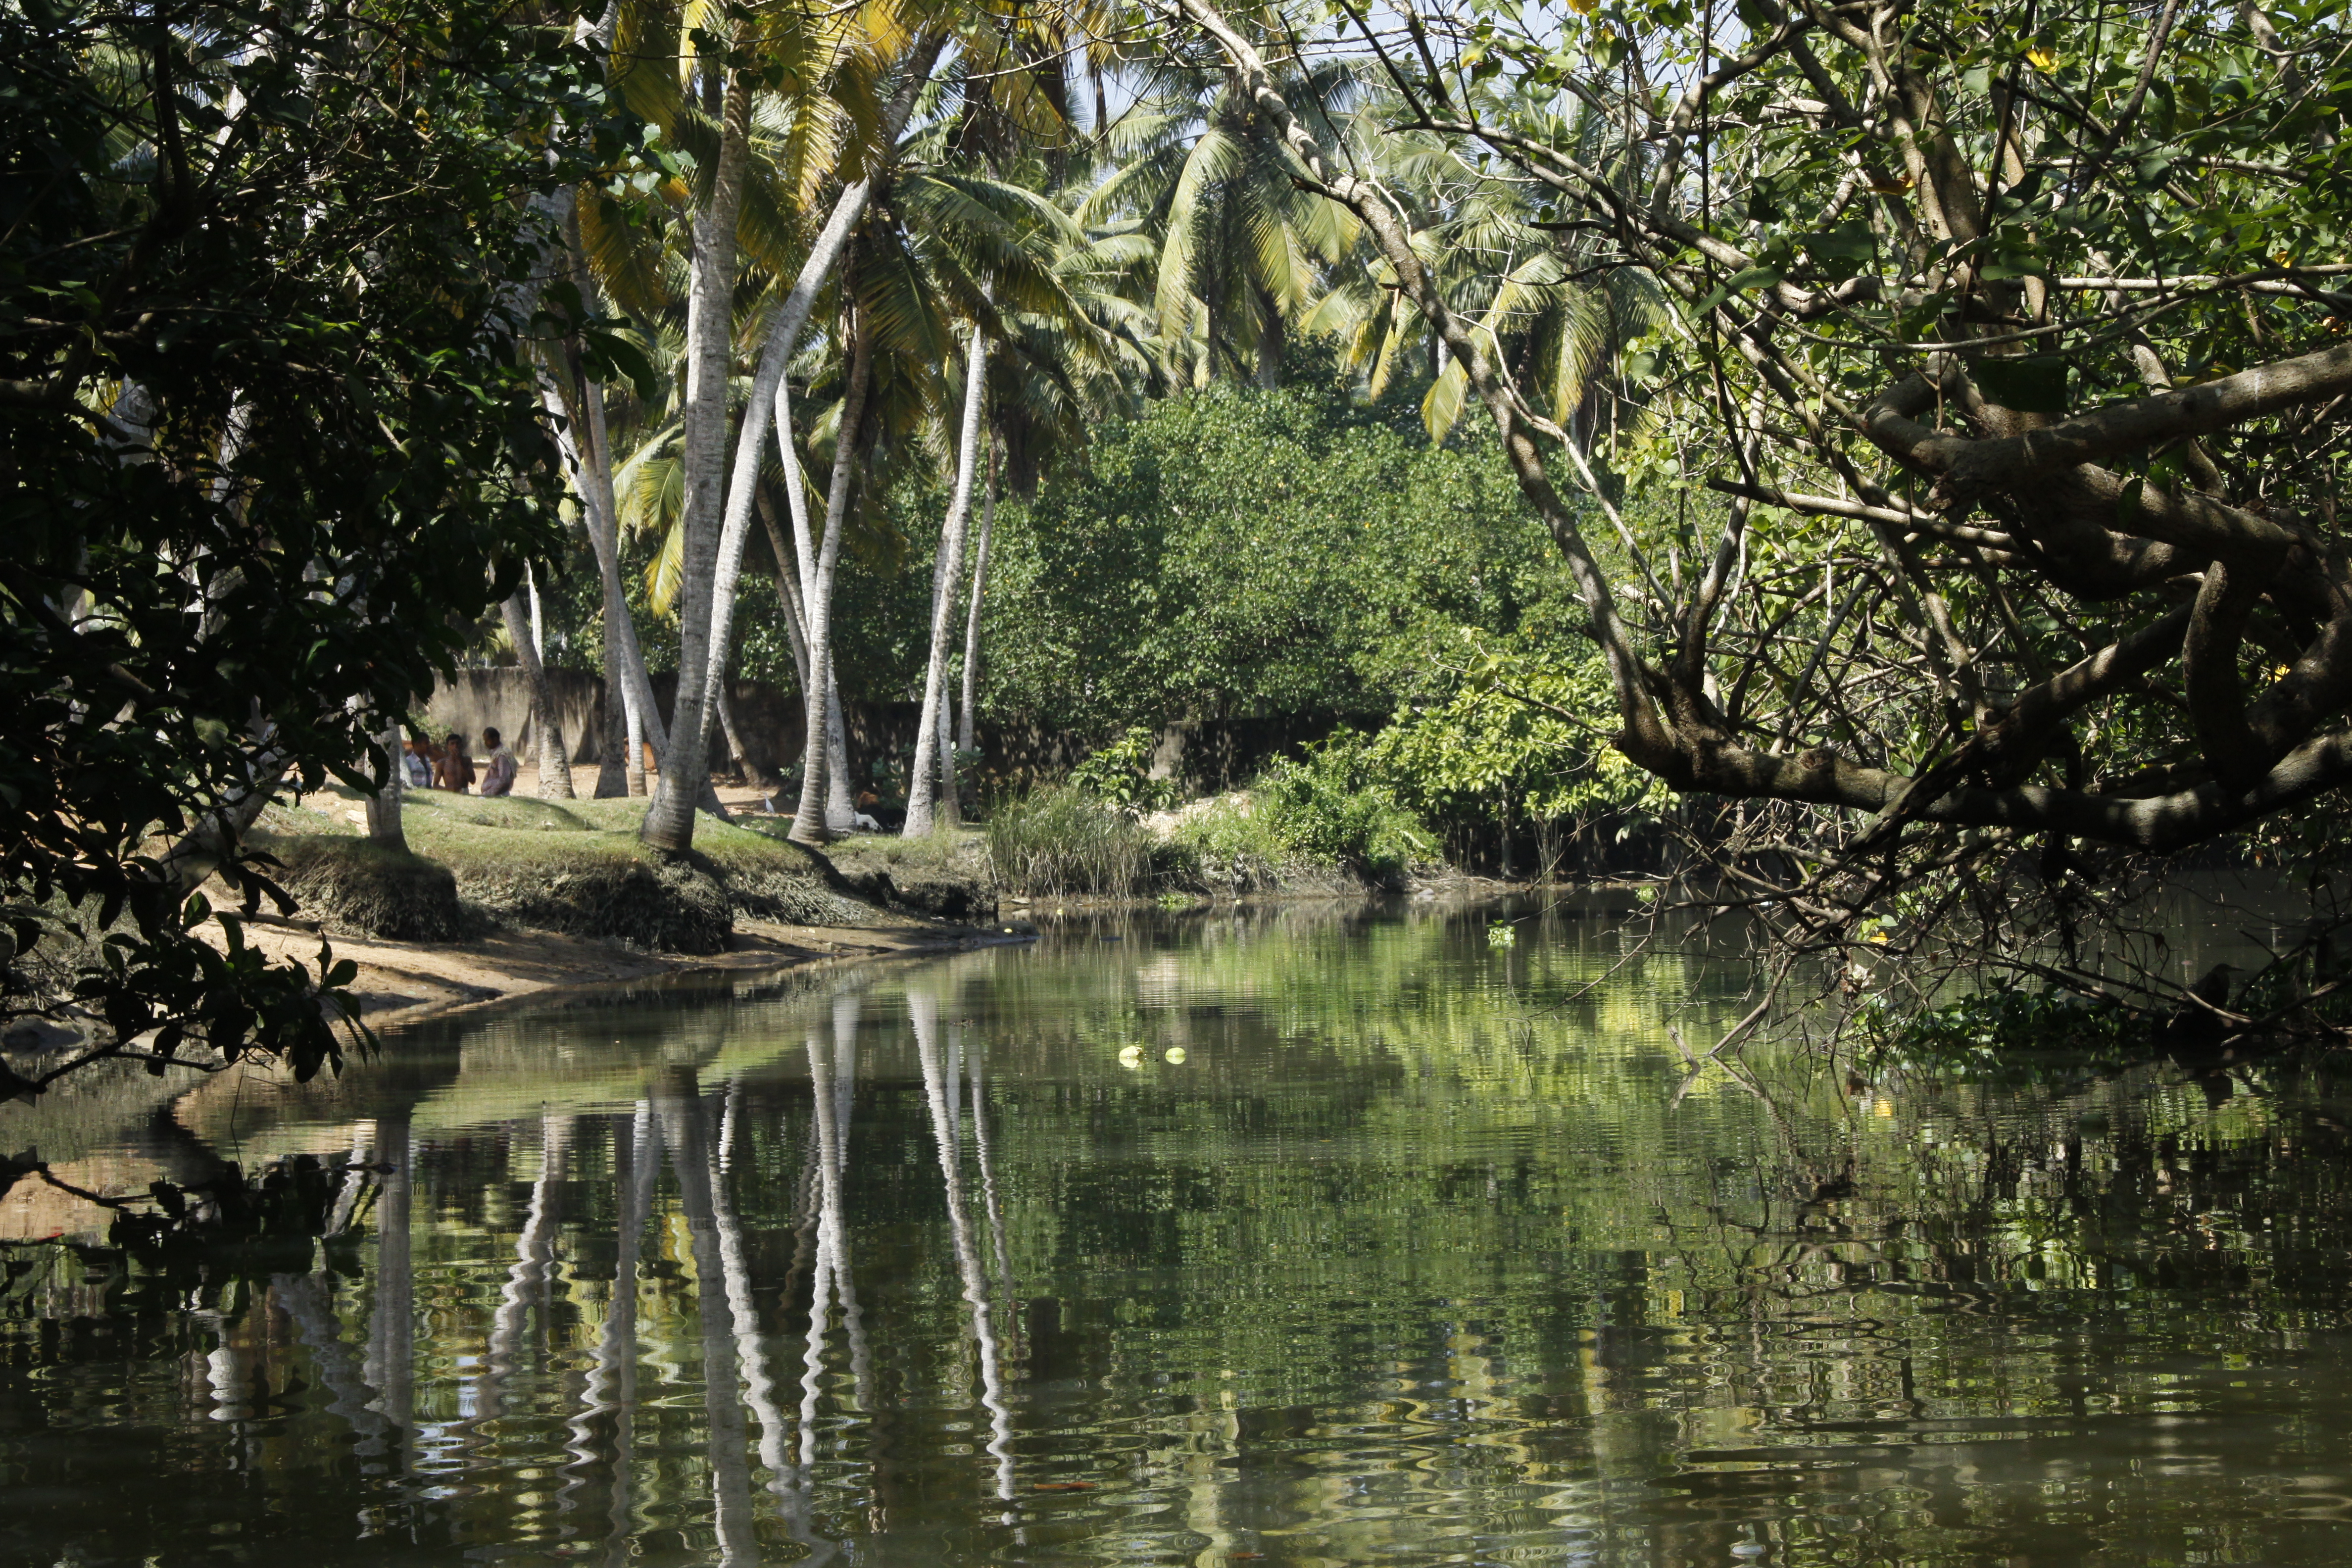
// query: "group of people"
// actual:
[[450, 766]]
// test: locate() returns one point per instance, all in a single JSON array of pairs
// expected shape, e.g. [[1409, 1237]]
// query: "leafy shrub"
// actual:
[[1062, 839], [1119, 774], [1501, 745], [1998, 1026], [1227, 843], [1337, 807]]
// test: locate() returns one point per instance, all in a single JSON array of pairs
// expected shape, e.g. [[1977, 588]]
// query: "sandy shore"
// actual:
[[402, 983]]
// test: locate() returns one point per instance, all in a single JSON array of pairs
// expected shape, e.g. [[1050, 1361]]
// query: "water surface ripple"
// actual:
[[1297, 1237]]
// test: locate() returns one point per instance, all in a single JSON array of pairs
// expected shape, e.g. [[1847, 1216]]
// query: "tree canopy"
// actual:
[[1933, 415]]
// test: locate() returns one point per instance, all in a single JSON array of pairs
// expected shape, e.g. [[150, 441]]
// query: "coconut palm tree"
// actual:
[[1518, 282], [1242, 251]]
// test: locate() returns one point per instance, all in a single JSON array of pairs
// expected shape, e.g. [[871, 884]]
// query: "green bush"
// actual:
[[1064, 840], [1120, 773], [1226, 843], [1336, 807]]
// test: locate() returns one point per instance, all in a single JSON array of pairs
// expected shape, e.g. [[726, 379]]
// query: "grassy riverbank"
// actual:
[[572, 867]]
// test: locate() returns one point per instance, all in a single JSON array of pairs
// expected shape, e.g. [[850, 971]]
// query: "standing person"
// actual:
[[498, 773], [455, 771], [416, 763]]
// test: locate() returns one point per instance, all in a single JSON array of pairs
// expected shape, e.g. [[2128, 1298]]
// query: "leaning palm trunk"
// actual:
[[819, 759], [785, 325], [629, 696], [967, 735], [929, 797], [799, 582], [554, 767], [669, 818], [723, 702]]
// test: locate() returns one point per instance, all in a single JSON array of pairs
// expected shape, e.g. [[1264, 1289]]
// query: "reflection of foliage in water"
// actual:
[[1404, 1227]]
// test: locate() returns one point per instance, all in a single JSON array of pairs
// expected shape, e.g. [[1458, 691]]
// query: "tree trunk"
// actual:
[[967, 737], [635, 762], [1269, 343], [613, 736], [788, 589], [554, 767], [629, 688], [840, 810], [383, 807], [951, 802], [925, 794], [723, 700], [784, 333], [709, 339], [809, 822]]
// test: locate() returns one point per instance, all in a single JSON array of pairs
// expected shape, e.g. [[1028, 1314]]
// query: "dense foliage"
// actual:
[[265, 447], [1238, 553]]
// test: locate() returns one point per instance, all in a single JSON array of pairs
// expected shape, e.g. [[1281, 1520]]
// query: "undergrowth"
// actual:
[[1062, 840]]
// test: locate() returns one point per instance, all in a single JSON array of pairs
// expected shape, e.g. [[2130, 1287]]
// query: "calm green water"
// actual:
[[1294, 1240]]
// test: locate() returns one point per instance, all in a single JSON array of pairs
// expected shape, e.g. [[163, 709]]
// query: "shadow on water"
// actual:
[[1292, 1235]]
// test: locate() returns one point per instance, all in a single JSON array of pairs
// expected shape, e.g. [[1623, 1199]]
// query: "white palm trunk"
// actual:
[[710, 342], [554, 766], [784, 327], [809, 822], [931, 793], [589, 459], [968, 733]]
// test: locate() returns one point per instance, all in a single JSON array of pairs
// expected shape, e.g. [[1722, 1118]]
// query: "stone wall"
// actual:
[[1208, 755]]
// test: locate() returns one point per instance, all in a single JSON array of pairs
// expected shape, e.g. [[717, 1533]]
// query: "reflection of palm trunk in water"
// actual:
[[759, 1387], [611, 1382], [833, 1083], [390, 1368], [940, 1089], [990, 1199], [308, 1300], [845, 1279], [526, 1276], [677, 1101]]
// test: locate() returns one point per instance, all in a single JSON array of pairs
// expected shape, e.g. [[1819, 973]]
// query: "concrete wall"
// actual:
[[1208, 755]]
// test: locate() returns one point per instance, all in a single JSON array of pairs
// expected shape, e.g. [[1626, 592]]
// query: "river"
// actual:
[[1295, 1236]]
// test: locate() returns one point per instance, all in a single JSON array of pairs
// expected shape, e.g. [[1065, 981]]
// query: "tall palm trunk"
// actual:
[[929, 798], [613, 731], [783, 333], [967, 735], [709, 336], [629, 702], [554, 766], [819, 759], [797, 576], [840, 811]]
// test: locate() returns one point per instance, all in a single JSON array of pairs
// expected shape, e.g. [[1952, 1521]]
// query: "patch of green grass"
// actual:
[[1226, 844], [577, 866], [1063, 841]]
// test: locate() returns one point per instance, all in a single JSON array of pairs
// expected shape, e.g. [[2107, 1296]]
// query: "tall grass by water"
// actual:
[[1063, 840]]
